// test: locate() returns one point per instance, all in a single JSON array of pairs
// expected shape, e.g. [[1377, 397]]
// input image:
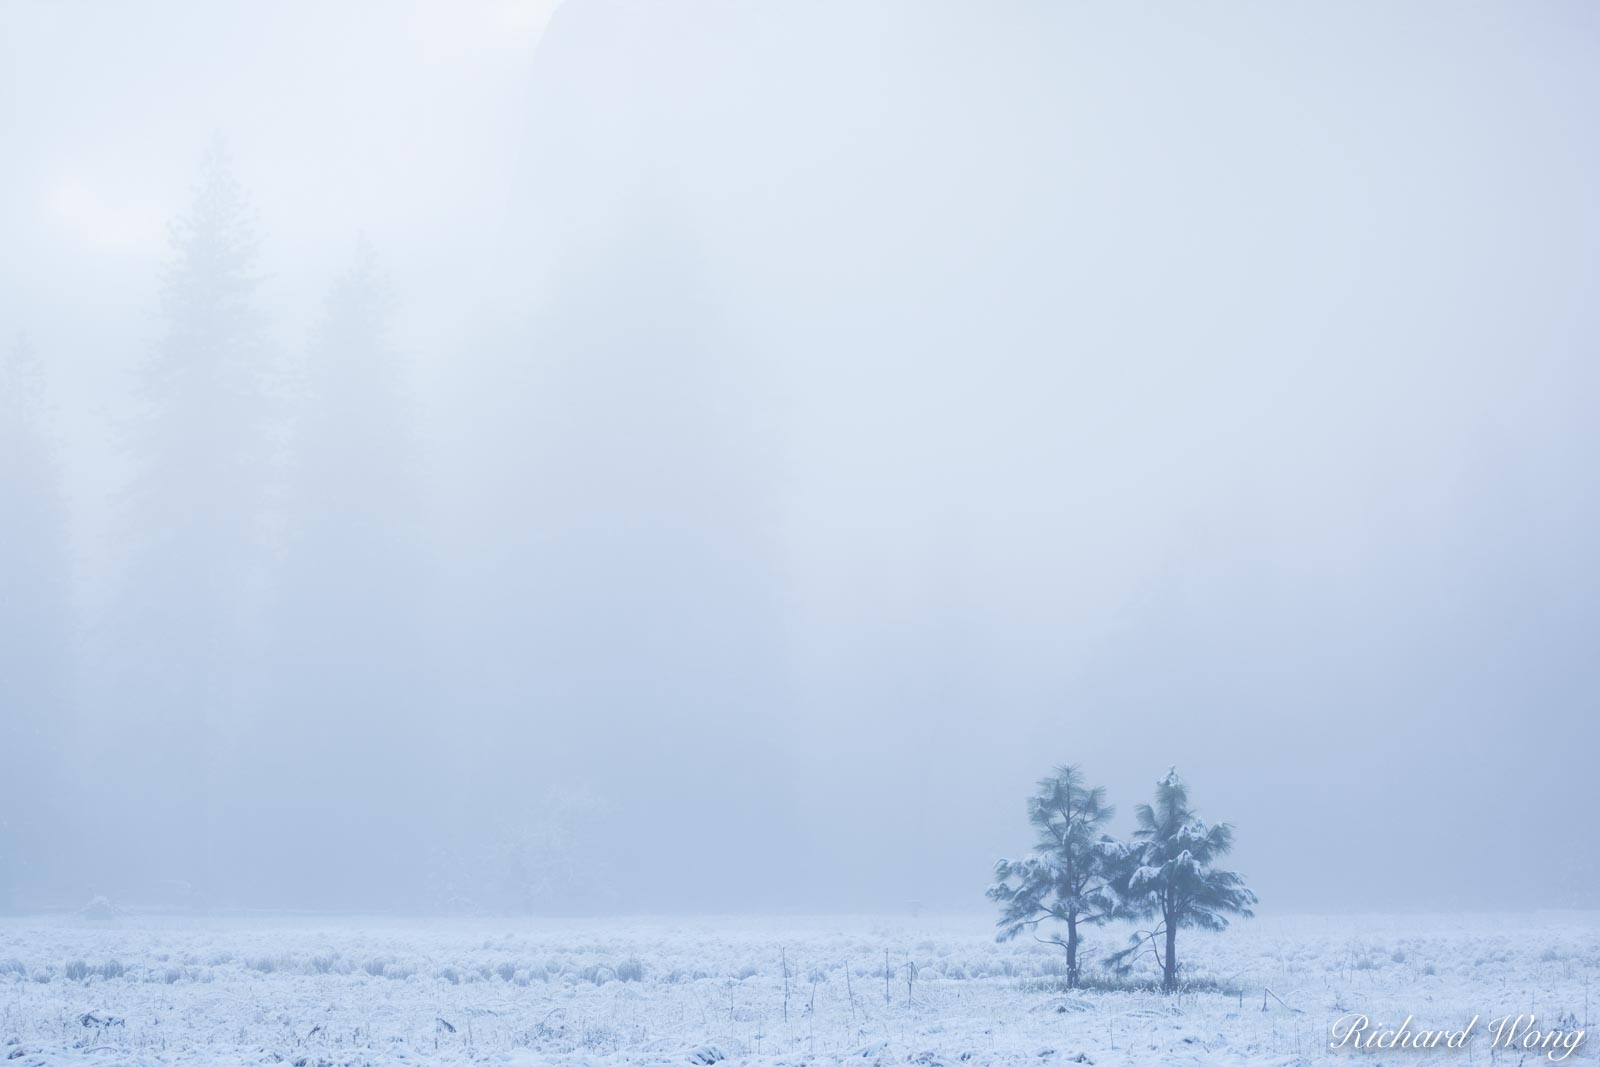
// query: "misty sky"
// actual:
[[799, 426]]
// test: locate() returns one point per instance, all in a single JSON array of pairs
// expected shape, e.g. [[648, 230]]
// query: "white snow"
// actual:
[[312, 991]]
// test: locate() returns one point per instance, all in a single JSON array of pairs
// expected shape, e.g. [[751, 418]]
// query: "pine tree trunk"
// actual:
[[1169, 965], [1072, 952]]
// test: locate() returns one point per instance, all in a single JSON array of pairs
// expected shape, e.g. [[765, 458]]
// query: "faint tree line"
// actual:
[[265, 580]]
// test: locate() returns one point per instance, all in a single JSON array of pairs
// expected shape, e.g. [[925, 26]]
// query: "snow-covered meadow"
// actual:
[[308, 991]]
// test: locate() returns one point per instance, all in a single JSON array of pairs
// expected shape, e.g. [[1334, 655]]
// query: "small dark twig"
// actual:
[[1280, 1000]]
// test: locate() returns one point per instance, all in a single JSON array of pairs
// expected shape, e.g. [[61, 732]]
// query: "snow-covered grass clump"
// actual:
[[926, 991]]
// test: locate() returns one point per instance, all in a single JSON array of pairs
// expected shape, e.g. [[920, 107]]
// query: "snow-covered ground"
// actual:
[[669, 991]]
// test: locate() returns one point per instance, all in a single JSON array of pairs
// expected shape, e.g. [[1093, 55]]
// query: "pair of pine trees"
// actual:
[[1077, 875]]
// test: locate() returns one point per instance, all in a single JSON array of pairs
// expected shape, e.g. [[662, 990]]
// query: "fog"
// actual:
[[703, 456]]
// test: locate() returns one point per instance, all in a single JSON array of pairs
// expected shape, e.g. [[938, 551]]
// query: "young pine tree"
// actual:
[[1169, 875], [1067, 877]]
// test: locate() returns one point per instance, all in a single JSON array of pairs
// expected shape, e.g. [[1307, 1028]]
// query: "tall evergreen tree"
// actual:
[[1170, 875], [35, 628], [346, 633], [177, 637], [1066, 879]]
